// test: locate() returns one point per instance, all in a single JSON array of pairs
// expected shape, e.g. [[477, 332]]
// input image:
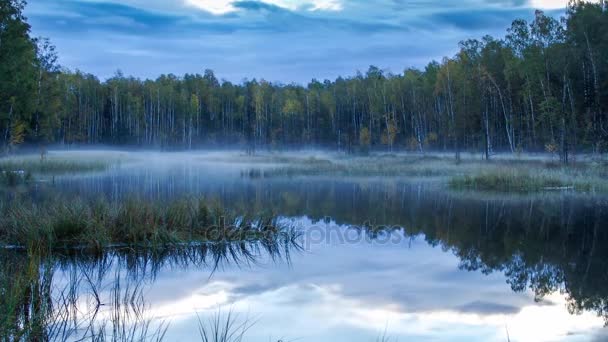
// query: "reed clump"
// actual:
[[50, 166], [14, 178], [498, 175], [74, 223], [223, 327], [524, 181]]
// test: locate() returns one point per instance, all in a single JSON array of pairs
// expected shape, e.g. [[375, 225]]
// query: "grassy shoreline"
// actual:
[[62, 223], [525, 181], [27, 169], [505, 173], [51, 166], [500, 175]]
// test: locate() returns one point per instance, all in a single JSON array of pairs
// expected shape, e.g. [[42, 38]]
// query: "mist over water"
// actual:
[[398, 254]]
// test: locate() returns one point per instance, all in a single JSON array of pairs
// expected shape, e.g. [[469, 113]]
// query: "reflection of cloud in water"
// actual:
[[488, 308], [315, 313], [351, 292]]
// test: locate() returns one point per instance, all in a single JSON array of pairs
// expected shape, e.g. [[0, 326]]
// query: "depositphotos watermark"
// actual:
[[307, 234], [332, 234]]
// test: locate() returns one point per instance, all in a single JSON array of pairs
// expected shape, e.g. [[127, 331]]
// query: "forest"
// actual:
[[542, 87]]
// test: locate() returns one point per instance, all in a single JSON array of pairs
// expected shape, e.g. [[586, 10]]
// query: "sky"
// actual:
[[277, 40]]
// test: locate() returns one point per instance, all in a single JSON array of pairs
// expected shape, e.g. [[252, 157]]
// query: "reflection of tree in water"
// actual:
[[547, 243], [101, 297], [547, 247], [544, 243]]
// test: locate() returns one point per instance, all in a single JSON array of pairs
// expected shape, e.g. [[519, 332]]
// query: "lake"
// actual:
[[379, 259]]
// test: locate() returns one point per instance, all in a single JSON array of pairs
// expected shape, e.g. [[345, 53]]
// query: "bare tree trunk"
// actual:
[[450, 108], [8, 128], [504, 111], [533, 116], [486, 124]]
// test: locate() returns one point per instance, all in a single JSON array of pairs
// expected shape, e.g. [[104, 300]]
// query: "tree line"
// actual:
[[544, 86]]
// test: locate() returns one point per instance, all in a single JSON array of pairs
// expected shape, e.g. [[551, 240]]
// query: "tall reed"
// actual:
[[62, 222]]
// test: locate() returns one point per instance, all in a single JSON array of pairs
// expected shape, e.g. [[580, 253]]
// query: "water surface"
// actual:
[[396, 257]]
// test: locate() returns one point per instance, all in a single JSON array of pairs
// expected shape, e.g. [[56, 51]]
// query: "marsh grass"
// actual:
[[531, 180], [505, 181], [51, 166], [499, 175], [223, 327], [25, 312], [62, 223], [36, 308], [14, 178], [413, 166], [75, 296]]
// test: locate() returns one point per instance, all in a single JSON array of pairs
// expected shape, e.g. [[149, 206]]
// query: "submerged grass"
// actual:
[[95, 225]]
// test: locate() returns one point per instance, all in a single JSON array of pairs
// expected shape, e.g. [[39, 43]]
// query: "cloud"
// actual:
[[488, 308], [279, 40], [219, 7], [549, 4], [479, 19], [213, 6]]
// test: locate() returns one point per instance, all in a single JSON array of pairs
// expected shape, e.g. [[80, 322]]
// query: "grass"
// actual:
[[223, 328], [103, 298], [25, 307], [61, 223], [50, 166], [362, 166], [21, 170], [515, 175], [14, 178], [508, 181], [35, 308], [529, 180]]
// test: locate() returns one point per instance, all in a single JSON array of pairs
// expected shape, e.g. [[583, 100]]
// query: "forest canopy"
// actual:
[[544, 86]]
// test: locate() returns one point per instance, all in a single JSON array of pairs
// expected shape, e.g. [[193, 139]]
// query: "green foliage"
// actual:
[[390, 134], [292, 107], [365, 139], [546, 81], [412, 144], [17, 133], [17, 71]]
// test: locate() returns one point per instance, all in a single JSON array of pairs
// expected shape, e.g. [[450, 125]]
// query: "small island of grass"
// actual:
[[96, 225]]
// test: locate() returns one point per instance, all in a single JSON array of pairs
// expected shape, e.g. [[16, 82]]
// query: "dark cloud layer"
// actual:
[[263, 39]]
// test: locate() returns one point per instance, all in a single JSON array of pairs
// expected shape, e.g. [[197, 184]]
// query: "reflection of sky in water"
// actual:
[[337, 292], [341, 292]]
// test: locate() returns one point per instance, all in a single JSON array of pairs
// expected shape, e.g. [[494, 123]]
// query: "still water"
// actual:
[[379, 259]]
